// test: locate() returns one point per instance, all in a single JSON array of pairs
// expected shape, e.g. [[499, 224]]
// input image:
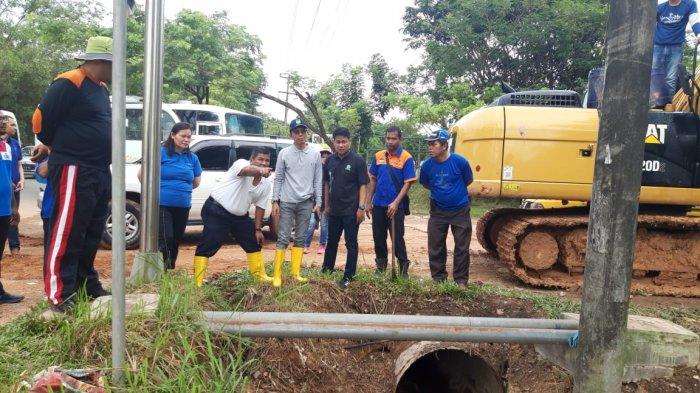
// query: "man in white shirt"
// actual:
[[226, 212]]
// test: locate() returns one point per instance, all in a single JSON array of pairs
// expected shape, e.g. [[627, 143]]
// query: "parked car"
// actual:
[[27, 165], [216, 154]]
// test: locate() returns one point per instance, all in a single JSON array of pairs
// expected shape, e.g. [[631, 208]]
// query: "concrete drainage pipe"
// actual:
[[430, 366]]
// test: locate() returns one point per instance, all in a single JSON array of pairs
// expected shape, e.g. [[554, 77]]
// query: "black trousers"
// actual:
[[219, 224], [81, 196], [171, 226], [381, 224], [13, 231], [438, 224], [338, 225], [4, 226]]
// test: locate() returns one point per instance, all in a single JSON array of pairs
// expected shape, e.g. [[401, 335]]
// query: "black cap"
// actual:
[[296, 123]]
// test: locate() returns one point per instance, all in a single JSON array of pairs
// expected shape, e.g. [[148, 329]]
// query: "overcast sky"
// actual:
[[316, 44]]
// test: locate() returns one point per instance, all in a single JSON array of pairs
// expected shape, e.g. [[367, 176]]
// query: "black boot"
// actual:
[[7, 298], [381, 266], [403, 268]]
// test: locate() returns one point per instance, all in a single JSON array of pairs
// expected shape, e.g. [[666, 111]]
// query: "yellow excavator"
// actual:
[[541, 145]]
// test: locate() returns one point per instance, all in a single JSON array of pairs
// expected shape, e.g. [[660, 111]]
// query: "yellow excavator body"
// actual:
[[548, 153]]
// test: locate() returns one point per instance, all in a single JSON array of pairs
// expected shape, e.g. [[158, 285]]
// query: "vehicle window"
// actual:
[[208, 129], [244, 151], [193, 117], [214, 158], [166, 124], [243, 124], [207, 116], [134, 124]]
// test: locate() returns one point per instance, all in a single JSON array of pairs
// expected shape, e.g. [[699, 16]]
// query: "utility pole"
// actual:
[[615, 200], [286, 76]]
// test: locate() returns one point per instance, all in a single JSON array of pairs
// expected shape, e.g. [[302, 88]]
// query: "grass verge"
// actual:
[[166, 352]]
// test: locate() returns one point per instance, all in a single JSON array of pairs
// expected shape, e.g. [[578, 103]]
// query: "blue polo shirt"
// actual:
[[402, 165], [447, 181], [6, 188], [47, 201], [177, 172], [16, 158]]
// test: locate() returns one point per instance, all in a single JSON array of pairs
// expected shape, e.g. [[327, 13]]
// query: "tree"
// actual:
[[528, 43], [38, 39], [384, 82], [209, 58]]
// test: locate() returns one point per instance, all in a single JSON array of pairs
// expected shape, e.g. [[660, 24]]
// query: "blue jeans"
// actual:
[[338, 225], [667, 58], [312, 228]]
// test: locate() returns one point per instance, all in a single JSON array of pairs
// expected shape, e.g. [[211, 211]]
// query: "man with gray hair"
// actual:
[[296, 194]]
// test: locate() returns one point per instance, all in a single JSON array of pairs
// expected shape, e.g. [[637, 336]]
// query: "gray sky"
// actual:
[[344, 31]]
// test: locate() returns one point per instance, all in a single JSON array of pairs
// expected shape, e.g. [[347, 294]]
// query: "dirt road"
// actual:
[[23, 274]]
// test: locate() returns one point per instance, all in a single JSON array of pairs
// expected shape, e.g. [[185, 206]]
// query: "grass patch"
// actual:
[[420, 202], [168, 352]]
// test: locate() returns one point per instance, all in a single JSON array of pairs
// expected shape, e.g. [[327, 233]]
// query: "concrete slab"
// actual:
[[136, 303], [653, 347]]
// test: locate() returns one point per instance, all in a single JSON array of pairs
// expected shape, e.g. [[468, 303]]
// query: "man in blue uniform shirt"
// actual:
[[672, 16], [447, 176]]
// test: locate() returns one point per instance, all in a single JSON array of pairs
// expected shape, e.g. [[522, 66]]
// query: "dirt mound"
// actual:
[[303, 365]]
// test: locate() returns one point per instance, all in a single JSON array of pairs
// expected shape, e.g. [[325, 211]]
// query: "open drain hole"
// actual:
[[450, 370]]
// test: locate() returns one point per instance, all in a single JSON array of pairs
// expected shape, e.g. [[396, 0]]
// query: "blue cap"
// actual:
[[296, 123], [439, 135]]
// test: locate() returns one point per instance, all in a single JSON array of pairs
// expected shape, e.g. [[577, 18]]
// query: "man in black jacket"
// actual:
[[74, 119]]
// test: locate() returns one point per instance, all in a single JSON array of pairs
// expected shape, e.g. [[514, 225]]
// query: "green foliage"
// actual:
[[38, 39], [384, 82], [209, 58], [528, 43], [169, 352]]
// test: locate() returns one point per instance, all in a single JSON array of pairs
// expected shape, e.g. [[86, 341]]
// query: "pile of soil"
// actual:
[[315, 365]]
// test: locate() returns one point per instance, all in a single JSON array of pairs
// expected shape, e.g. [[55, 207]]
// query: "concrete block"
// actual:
[[136, 303], [653, 347]]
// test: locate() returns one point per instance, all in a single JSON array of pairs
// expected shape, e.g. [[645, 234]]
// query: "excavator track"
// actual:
[[546, 248]]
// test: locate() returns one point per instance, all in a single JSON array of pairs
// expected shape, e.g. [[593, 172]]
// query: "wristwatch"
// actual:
[[258, 229], [361, 206]]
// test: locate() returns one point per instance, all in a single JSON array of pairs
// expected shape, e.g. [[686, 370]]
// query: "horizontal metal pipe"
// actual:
[[339, 318], [396, 332]]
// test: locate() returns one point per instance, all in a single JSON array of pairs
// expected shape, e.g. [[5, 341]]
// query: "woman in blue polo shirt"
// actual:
[[180, 173]]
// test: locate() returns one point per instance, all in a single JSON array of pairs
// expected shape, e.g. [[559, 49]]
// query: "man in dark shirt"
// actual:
[[74, 119], [345, 182]]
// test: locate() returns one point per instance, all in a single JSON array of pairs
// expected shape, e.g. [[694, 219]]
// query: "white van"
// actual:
[[206, 120]]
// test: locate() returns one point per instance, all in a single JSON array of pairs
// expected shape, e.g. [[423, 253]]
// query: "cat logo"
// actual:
[[656, 134]]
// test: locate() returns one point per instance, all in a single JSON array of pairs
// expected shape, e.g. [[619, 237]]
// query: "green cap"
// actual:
[[98, 48]]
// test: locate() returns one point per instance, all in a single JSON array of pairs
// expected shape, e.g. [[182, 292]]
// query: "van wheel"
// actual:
[[132, 226], [273, 225]]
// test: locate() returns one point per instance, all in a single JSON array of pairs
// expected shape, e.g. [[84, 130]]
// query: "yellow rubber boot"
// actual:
[[297, 254], [277, 274], [256, 265], [200, 267]]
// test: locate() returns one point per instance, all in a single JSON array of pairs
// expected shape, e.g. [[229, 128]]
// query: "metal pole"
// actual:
[[148, 263], [249, 326], [615, 200], [286, 96], [225, 317], [118, 193]]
